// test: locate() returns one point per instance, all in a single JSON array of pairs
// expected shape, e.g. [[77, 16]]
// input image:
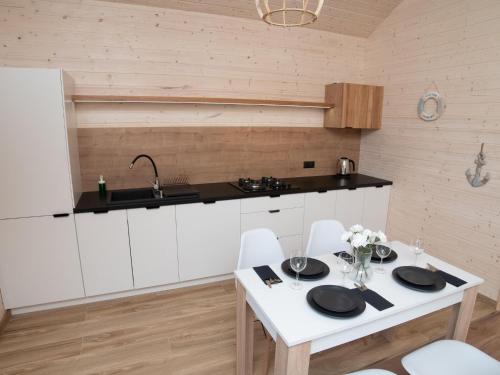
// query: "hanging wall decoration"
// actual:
[[435, 113], [474, 178]]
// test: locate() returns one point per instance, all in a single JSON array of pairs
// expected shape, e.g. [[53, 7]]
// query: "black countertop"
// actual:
[[92, 202]]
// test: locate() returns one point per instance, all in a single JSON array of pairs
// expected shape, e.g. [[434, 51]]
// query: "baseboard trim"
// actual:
[[128, 293], [4, 320]]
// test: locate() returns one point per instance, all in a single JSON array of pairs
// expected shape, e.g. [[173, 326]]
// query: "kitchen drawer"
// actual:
[[283, 222], [269, 203]]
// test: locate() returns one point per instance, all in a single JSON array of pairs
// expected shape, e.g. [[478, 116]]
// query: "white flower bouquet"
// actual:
[[362, 241], [358, 237]]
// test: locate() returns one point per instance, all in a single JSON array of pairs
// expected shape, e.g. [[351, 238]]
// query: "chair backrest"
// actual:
[[324, 238], [259, 247], [450, 357]]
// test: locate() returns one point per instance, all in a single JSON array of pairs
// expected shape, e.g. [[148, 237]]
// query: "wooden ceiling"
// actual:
[[350, 17]]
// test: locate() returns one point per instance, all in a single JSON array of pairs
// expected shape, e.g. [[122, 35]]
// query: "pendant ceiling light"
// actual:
[[289, 13]]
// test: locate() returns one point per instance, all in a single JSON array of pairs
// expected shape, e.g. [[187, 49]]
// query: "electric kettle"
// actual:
[[344, 166]]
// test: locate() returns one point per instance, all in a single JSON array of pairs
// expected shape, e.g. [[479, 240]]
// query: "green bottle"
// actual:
[[102, 186]]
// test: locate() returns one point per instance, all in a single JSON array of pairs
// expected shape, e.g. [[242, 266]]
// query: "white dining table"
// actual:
[[300, 331]]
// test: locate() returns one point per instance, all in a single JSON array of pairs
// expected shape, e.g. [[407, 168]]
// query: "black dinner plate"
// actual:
[[391, 258], [416, 275], [333, 291], [339, 301], [315, 269], [438, 283]]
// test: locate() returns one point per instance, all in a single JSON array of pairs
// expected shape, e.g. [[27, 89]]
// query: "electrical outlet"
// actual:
[[309, 164]]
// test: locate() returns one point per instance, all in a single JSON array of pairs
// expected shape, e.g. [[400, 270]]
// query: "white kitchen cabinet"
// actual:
[[284, 222], [375, 207], [39, 261], [153, 246], [349, 207], [208, 237], [104, 252], [34, 144], [284, 215], [318, 206]]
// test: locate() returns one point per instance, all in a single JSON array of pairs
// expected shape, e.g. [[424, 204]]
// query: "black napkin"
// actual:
[[450, 279], [266, 273], [338, 253], [374, 299]]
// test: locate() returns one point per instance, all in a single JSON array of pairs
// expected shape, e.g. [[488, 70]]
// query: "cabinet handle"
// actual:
[[379, 186], [101, 212], [274, 211], [152, 207], [274, 196], [61, 215], [209, 202], [352, 189], [322, 191]]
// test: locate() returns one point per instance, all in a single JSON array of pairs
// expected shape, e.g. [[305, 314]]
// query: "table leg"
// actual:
[[244, 333], [462, 316], [292, 360]]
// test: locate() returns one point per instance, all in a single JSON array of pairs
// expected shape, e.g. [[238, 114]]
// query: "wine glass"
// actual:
[[298, 262], [418, 249], [383, 251], [346, 264]]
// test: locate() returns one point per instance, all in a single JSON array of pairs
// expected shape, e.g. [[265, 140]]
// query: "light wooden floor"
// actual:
[[192, 331]]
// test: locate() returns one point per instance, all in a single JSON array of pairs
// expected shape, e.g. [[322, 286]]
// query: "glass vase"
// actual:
[[362, 271]]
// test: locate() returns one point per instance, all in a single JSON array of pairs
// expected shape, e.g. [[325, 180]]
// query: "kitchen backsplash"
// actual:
[[210, 154]]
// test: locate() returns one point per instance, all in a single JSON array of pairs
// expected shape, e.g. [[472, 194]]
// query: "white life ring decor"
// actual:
[[440, 106]]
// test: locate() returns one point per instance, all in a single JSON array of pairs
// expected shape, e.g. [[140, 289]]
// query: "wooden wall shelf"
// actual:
[[198, 100]]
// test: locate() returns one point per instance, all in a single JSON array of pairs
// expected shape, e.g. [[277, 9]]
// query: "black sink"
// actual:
[[171, 194], [131, 195]]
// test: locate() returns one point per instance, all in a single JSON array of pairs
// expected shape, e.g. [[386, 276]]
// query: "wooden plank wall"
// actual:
[[352, 17], [210, 154], [113, 48], [456, 44]]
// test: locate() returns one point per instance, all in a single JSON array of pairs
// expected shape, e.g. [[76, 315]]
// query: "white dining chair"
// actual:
[[324, 238], [450, 357], [260, 247], [372, 371]]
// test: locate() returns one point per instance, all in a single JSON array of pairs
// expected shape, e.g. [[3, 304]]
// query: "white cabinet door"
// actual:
[[349, 207], [208, 238], [318, 206], [39, 261], [33, 144], [153, 245], [376, 206], [104, 252]]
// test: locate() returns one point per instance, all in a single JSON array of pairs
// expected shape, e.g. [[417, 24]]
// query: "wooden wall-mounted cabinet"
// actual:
[[356, 106]]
